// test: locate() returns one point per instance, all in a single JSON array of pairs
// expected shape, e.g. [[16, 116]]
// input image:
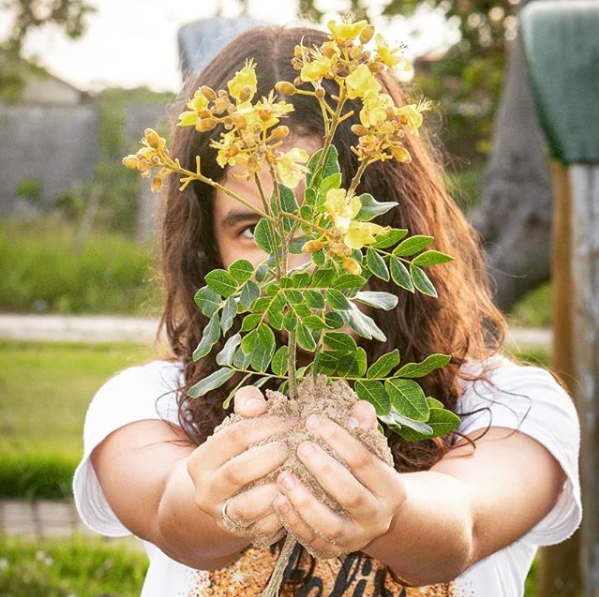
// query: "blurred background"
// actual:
[[79, 297]]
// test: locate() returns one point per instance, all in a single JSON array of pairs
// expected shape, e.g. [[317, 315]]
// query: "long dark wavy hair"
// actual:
[[462, 322]]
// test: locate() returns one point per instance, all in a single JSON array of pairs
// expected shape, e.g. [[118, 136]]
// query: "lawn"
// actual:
[[74, 567], [45, 389]]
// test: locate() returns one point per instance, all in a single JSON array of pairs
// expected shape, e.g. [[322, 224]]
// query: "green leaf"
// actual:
[[241, 360], [305, 338], [288, 200], [353, 364], [314, 299], [319, 258], [309, 195], [222, 282], [388, 240], [241, 270], [408, 398], [432, 258], [228, 314], [213, 381], [330, 182], [397, 423], [275, 312], [377, 299], [333, 320], [262, 236], [362, 324], [441, 422], [210, 337], [296, 245], [314, 322], [250, 321], [322, 278], [371, 208], [249, 293], [337, 300], [330, 166], [280, 364], [412, 245], [374, 392], [422, 281], [225, 356], [434, 403], [400, 274], [208, 301], [300, 279], [384, 364], [325, 362], [264, 347], [348, 282], [432, 362], [376, 264], [248, 342], [295, 297], [340, 342], [290, 321]]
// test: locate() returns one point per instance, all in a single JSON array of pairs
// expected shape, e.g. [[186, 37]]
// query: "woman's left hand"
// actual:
[[371, 492]]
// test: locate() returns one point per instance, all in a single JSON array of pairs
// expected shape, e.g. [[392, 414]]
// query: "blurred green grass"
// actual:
[[45, 388], [44, 272], [68, 567]]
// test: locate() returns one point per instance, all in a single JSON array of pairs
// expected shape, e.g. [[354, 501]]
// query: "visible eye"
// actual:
[[248, 232]]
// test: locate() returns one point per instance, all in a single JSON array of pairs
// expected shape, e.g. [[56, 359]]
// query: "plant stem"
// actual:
[[292, 365], [355, 181], [272, 589]]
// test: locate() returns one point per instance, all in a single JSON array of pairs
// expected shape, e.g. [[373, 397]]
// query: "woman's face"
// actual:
[[234, 223]]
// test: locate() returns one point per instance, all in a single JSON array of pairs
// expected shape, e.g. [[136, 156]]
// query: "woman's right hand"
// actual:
[[224, 464]]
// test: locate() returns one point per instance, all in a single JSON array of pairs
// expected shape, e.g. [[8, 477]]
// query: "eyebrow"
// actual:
[[236, 217]]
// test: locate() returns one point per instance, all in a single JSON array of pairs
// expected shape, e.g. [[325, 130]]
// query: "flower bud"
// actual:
[[152, 138], [265, 114], [205, 125], [312, 245], [245, 94], [359, 129], [285, 87], [280, 132], [401, 154], [156, 184], [366, 34], [355, 52], [297, 81], [239, 121], [320, 93], [208, 92], [205, 113], [298, 51], [351, 266], [130, 162], [376, 67]]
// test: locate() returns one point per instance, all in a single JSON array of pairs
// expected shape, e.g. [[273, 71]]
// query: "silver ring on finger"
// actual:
[[229, 523]]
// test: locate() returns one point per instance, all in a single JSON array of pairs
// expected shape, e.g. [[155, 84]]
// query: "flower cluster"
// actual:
[[345, 234], [346, 60], [151, 156], [252, 130]]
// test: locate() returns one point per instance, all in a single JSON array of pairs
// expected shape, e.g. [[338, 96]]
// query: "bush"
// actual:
[[43, 272], [78, 566]]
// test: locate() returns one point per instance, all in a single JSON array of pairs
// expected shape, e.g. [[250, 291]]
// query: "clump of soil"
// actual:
[[333, 401]]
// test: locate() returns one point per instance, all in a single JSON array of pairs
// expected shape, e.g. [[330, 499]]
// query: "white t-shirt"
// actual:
[[528, 398]]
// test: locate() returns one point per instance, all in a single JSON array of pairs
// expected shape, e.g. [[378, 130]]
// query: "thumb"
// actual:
[[249, 401]]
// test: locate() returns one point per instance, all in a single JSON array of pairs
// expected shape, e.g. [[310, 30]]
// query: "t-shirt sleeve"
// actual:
[[134, 394], [529, 399]]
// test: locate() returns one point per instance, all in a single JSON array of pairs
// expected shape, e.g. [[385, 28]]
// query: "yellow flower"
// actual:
[[374, 110], [289, 166], [227, 149], [268, 112], [361, 233], [341, 211], [316, 69], [188, 118], [386, 54], [198, 102], [245, 78], [412, 116], [361, 83], [346, 31]]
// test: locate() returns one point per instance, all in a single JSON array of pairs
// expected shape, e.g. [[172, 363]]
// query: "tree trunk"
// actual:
[[513, 214]]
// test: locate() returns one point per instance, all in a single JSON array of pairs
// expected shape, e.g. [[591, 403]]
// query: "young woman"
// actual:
[[459, 516]]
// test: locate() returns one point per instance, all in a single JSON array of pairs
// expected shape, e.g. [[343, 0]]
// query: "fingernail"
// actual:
[[287, 481], [294, 420], [307, 449], [352, 423], [281, 504], [312, 422]]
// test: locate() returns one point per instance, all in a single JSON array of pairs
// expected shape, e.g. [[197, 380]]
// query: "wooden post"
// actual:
[[561, 44]]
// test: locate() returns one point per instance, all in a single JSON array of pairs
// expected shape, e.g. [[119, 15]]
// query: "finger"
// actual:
[[251, 465], [268, 529], [305, 535], [327, 524], [338, 482], [375, 474], [235, 439], [249, 402], [363, 415], [252, 505]]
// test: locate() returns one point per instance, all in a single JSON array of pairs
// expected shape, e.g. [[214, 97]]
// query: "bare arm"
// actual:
[[169, 492]]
